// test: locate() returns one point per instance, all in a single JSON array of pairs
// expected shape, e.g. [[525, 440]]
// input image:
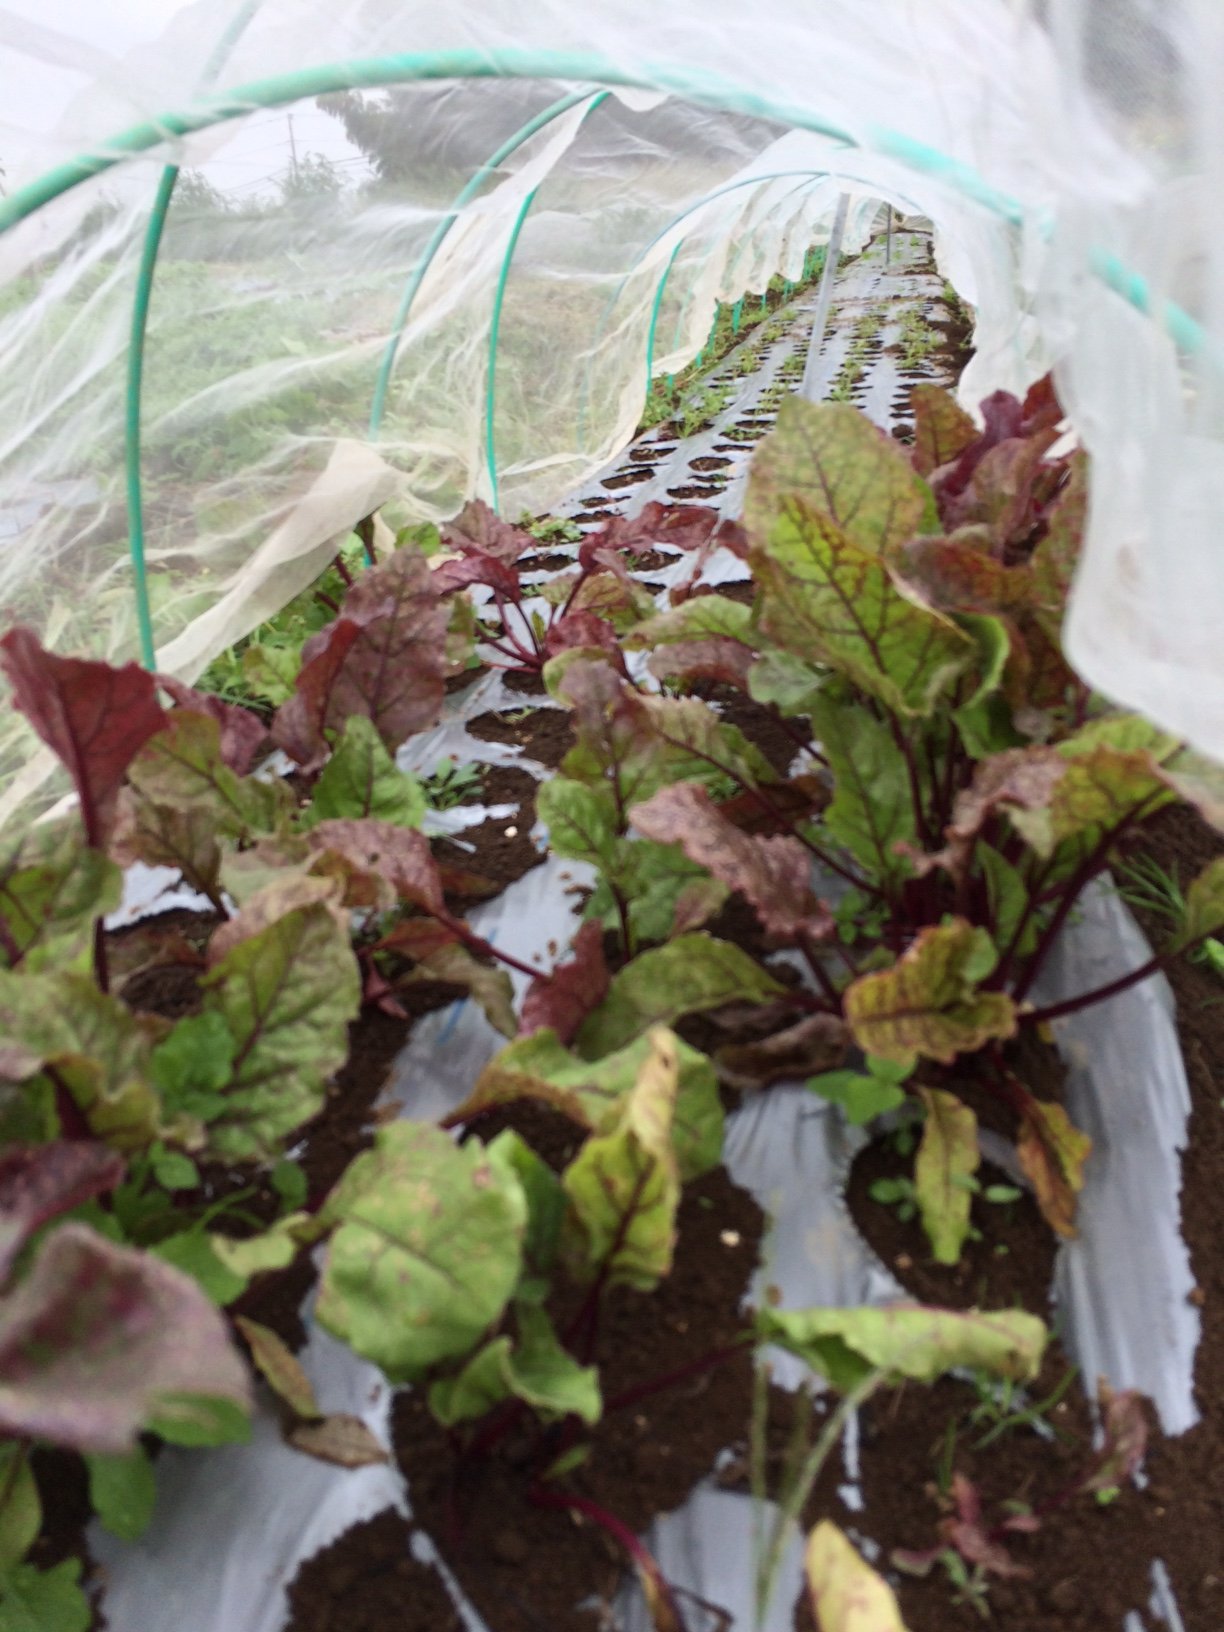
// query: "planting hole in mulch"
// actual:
[[527, 1568], [368, 1581], [545, 735]]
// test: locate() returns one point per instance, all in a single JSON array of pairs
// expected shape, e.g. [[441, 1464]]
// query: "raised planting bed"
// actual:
[[600, 1132]]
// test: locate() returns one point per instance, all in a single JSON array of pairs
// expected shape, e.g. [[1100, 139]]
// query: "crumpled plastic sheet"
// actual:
[[231, 1526]]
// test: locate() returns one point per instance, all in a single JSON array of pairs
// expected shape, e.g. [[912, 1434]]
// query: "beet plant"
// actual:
[[956, 789]]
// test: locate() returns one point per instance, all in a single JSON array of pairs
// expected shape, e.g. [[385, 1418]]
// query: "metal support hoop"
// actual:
[[136, 350], [494, 333], [440, 232]]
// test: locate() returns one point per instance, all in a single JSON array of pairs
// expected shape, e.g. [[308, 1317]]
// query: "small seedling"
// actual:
[[900, 1193], [451, 785], [864, 1095]]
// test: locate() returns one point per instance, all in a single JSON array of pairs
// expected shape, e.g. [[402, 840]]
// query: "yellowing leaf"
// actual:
[[281, 1370], [847, 1594], [928, 1003], [947, 1159], [835, 462], [624, 1185], [427, 1252], [1052, 1151], [286, 985], [687, 976], [907, 1340], [825, 599], [341, 1439]]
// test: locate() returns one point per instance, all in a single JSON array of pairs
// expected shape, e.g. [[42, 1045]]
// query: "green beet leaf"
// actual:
[[34, 1600], [847, 1595], [688, 975], [707, 615], [780, 678], [192, 1252], [427, 1250], [863, 1095], [193, 1064], [100, 1052], [1205, 903], [824, 598], [665, 892], [535, 1369], [948, 1157], [545, 1200], [286, 985], [361, 779], [907, 1340], [52, 890], [122, 1491], [483, 1383], [581, 819], [182, 767], [872, 809], [592, 1093], [836, 463], [928, 1003], [20, 1505], [624, 1185], [270, 670], [942, 428], [1113, 769]]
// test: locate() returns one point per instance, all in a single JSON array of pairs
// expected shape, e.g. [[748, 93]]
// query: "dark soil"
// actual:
[[1089, 1564], [1011, 1266], [506, 785], [526, 1567], [652, 560], [525, 681], [547, 563], [368, 1581], [499, 850], [63, 1487], [544, 735], [760, 722]]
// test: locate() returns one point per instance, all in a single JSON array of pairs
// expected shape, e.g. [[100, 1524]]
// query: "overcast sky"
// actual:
[[79, 36]]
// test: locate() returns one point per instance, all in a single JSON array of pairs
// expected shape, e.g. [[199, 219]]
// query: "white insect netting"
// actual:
[[534, 267]]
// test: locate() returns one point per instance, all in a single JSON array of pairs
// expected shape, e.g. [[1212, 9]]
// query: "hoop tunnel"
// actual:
[[384, 71]]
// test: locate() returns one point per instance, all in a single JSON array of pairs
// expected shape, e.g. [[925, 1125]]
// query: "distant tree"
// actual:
[[314, 176], [194, 192]]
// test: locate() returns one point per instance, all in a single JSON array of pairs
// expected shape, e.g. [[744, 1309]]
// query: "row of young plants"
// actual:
[[955, 791]]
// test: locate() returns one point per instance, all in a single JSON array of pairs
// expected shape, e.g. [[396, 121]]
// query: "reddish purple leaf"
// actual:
[[383, 852], [449, 576], [39, 1182], [564, 998], [299, 722], [1124, 1423], [582, 629], [974, 1541], [1024, 778], [718, 658], [810, 1046], [775, 874], [416, 938], [95, 717], [480, 529], [668, 526], [384, 658], [99, 1342], [243, 734]]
